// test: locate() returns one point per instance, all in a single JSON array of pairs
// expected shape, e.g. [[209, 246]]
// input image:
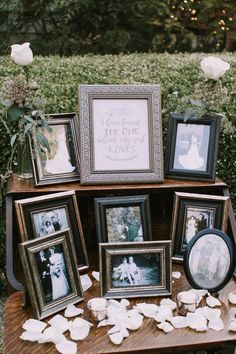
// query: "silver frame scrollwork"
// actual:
[[152, 93]]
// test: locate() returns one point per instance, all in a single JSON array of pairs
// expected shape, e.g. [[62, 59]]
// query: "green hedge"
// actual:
[[59, 78]]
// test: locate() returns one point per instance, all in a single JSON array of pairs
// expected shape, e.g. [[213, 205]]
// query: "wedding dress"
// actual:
[[60, 286], [60, 162], [192, 160]]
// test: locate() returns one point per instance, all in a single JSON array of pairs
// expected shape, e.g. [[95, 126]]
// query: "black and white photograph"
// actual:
[[138, 269], [209, 259], [51, 273], [192, 148], [48, 214], [123, 219], [192, 143], [128, 270], [49, 221], [59, 163], [197, 219], [193, 213]]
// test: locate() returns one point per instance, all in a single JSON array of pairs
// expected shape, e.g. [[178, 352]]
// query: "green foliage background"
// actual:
[[59, 78], [68, 27]]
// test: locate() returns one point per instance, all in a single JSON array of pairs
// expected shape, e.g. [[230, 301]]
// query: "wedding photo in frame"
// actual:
[[192, 148], [128, 270], [120, 134], [193, 213], [40, 216], [123, 219], [51, 274], [59, 163], [209, 260]]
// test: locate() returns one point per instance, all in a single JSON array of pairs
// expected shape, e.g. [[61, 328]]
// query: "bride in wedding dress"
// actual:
[[192, 160], [60, 162], [60, 285]]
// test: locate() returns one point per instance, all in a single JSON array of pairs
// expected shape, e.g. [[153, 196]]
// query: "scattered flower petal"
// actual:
[[33, 325]]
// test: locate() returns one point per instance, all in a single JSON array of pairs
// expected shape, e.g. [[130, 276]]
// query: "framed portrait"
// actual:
[[123, 219], [60, 163], [192, 148], [44, 215], [128, 270], [51, 275], [209, 260], [120, 134], [193, 213]]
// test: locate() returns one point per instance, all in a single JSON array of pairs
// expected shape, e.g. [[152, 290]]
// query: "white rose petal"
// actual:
[[213, 67], [21, 54]]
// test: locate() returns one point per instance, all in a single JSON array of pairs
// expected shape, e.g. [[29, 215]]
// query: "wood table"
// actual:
[[148, 339]]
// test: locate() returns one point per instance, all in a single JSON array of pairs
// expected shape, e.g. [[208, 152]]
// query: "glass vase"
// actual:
[[24, 163]]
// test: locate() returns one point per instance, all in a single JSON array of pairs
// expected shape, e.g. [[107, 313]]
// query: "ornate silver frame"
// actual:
[[88, 174]]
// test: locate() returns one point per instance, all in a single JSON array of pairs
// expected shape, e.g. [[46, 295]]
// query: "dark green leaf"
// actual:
[[42, 140], [14, 113]]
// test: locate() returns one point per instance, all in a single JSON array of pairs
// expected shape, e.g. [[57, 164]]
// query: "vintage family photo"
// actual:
[[193, 213], [124, 224], [123, 218], [131, 269], [60, 158], [59, 161], [48, 214], [197, 219], [136, 269], [192, 142], [49, 221], [209, 259], [192, 148], [53, 273]]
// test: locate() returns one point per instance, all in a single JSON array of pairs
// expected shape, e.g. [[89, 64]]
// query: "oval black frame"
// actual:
[[188, 250]]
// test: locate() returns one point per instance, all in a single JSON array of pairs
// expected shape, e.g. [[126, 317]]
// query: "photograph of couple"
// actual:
[[50, 221], [136, 270], [197, 219], [53, 273], [124, 224]]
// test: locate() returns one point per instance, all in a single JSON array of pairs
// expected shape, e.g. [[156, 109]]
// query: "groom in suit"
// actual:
[[45, 276]]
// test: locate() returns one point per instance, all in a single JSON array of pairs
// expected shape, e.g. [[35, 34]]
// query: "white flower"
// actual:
[[21, 54], [213, 67]]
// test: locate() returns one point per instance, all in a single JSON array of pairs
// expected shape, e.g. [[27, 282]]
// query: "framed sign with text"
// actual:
[[120, 134]]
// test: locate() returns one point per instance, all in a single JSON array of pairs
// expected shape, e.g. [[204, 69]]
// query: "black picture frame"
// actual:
[[50, 167], [209, 260], [51, 274], [149, 275], [60, 209], [192, 148], [123, 219], [194, 212]]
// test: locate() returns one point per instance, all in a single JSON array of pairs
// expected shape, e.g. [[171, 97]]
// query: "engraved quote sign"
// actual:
[[121, 134]]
